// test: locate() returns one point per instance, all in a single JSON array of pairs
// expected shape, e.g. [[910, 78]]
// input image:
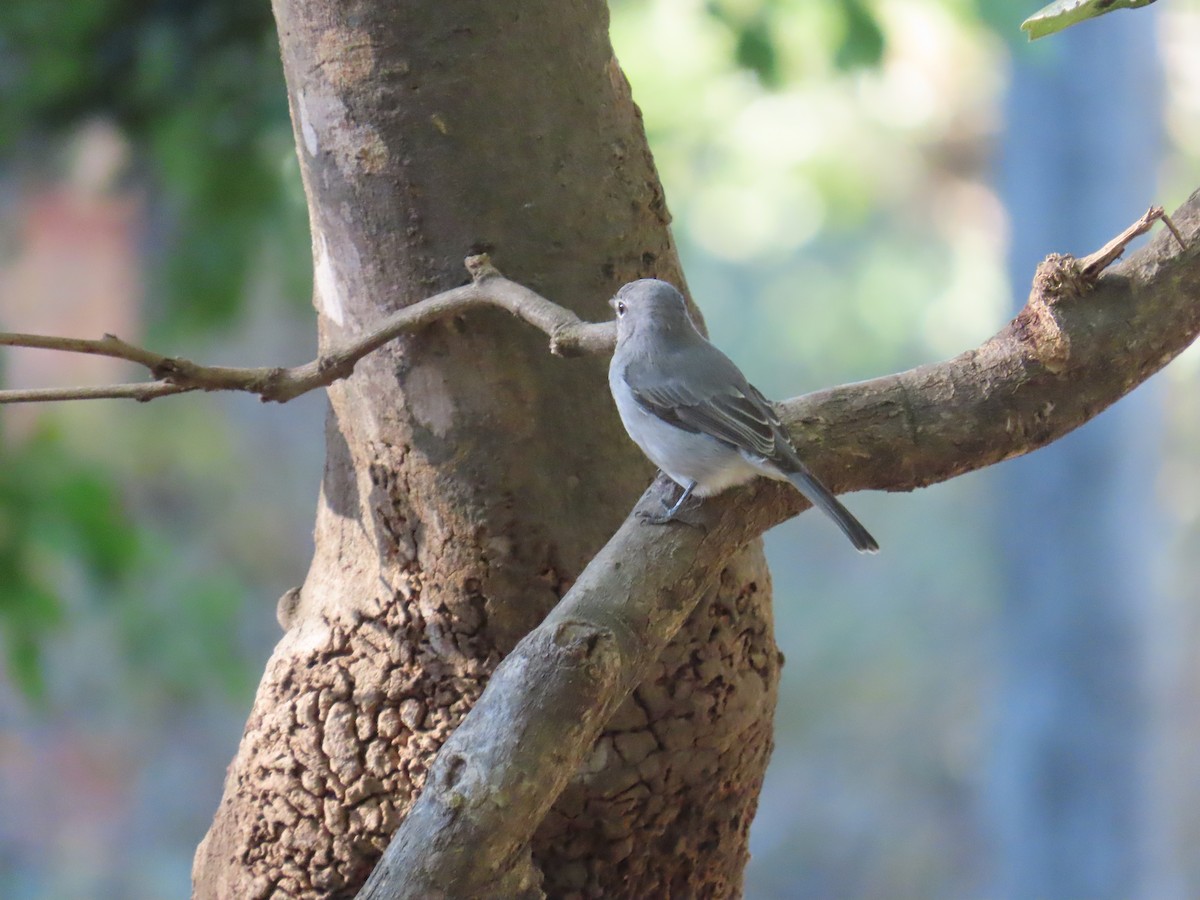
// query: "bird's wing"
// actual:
[[721, 404]]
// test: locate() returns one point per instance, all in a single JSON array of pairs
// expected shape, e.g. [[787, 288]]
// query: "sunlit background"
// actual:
[[1001, 704]]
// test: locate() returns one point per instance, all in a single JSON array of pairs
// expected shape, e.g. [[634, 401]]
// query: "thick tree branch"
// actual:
[[1071, 352], [569, 336]]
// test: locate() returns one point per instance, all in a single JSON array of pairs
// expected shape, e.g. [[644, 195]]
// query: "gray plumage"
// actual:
[[693, 412]]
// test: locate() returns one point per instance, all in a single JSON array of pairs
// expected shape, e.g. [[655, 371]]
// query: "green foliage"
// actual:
[[759, 28], [138, 62], [58, 518], [862, 40], [81, 564], [198, 88], [755, 50], [187, 646]]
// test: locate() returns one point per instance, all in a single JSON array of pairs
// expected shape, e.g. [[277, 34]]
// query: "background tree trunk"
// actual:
[[1080, 532], [470, 475]]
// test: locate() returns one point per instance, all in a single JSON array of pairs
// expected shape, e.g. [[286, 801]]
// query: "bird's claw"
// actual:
[[674, 512], [657, 518]]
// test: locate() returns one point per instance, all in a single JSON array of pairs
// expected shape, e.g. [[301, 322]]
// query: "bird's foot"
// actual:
[[671, 511], [654, 518]]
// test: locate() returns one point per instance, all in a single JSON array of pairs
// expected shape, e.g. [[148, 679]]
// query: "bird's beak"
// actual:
[[612, 302]]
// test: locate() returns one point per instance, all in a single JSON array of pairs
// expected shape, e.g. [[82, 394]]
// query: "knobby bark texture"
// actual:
[[470, 474]]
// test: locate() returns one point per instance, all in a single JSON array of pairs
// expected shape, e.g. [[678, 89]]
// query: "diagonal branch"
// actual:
[[569, 336], [1070, 353]]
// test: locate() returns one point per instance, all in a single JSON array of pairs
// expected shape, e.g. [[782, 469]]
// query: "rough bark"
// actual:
[[471, 475]]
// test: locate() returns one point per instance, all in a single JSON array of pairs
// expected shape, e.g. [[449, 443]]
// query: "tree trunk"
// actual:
[[1078, 526], [470, 475]]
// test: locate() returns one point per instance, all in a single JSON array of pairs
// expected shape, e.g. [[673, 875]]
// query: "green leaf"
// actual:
[[57, 515], [100, 530], [755, 51], [24, 656], [191, 646], [861, 46], [29, 613], [1065, 13]]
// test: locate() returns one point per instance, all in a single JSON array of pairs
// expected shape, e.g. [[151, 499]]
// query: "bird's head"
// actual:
[[650, 305]]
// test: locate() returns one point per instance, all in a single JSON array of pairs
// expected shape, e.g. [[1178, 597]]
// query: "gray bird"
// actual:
[[693, 412]]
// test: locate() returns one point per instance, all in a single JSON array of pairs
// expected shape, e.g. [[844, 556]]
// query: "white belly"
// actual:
[[685, 457]]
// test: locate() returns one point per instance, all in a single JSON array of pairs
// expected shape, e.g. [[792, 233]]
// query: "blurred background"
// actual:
[[1002, 704]]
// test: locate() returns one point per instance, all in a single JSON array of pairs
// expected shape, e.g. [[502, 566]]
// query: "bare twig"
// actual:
[[569, 336], [1094, 263], [141, 391], [109, 345], [1175, 231]]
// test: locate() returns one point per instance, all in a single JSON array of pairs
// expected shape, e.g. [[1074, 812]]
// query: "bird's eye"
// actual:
[[620, 307]]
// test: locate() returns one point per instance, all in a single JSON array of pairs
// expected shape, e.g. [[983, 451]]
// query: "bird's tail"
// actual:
[[821, 497]]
